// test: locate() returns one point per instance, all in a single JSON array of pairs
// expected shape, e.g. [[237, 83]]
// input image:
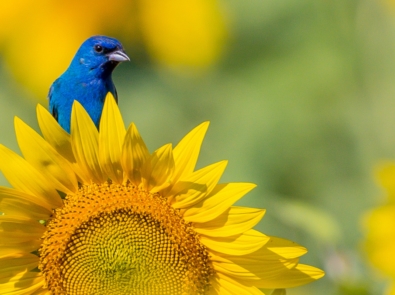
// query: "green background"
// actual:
[[302, 103]]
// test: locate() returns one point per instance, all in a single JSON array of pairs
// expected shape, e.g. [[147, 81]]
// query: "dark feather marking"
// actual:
[[55, 113]]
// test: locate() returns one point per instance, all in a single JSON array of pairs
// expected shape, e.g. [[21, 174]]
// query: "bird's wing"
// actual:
[[54, 113], [51, 89], [52, 107], [50, 93]]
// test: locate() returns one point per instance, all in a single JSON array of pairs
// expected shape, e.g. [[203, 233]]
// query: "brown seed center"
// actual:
[[118, 239]]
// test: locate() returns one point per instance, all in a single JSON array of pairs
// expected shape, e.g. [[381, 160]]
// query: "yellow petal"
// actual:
[[300, 275], [17, 263], [19, 230], [243, 244], [246, 267], [224, 285], [26, 178], [38, 205], [280, 248], [54, 134], [15, 206], [162, 169], [8, 248], [59, 139], [186, 152], [191, 189], [22, 284], [234, 221], [112, 134], [42, 291], [275, 249], [254, 271], [134, 155], [85, 143], [218, 201], [41, 155]]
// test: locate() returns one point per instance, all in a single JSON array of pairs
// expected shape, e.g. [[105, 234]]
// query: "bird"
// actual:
[[88, 79]]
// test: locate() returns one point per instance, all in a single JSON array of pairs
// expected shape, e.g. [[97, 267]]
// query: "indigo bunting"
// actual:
[[87, 80]]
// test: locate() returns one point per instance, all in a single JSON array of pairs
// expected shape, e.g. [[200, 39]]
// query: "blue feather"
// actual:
[[87, 80]]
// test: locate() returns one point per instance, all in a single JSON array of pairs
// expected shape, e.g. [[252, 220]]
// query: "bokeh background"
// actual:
[[300, 95]]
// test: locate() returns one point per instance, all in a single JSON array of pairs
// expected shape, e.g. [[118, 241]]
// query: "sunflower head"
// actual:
[[94, 212]]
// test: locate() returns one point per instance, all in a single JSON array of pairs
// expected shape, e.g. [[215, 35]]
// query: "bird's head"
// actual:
[[100, 55]]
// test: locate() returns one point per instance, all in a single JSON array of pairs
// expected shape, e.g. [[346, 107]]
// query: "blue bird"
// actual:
[[87, 80]]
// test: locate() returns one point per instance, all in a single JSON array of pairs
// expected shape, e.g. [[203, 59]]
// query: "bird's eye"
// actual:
[[98, 48]]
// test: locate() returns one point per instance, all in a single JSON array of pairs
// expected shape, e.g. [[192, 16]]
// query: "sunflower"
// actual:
[[96, 213], [379, 225]]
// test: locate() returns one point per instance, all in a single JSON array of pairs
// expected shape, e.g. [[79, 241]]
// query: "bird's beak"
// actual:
[[118, 56]]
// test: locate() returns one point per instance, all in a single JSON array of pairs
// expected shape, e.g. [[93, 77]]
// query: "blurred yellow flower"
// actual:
[[380, 228], [183, 33], [130, 221], [38, 38]]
